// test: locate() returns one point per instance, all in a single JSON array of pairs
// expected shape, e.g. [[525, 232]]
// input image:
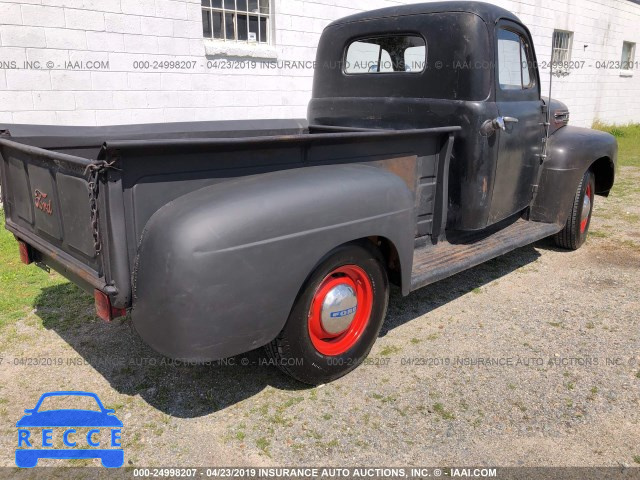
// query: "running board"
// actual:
[[433, 263]]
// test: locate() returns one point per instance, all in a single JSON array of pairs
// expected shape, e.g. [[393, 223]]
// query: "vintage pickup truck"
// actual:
[[428, 149]]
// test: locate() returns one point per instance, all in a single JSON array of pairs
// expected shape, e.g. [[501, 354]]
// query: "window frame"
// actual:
[[628, 72], [269, 19], [566, 52], [532, 90], [353, 40]]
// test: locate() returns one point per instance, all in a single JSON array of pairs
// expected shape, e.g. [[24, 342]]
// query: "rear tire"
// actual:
[[575, 232], [336, 317]]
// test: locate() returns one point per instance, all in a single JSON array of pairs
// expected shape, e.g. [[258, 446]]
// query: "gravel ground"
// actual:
[[531, 359]]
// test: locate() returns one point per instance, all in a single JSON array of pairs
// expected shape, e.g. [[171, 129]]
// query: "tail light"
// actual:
[[26, 253], [104, 309]]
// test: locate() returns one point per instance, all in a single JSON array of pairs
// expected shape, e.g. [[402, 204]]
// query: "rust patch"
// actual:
[[403, 167]]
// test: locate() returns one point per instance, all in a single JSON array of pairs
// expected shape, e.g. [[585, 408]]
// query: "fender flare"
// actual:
[[571, 152], [218, 270]]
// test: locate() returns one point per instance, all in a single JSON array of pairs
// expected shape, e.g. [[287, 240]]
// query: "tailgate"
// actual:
[[47, 205]]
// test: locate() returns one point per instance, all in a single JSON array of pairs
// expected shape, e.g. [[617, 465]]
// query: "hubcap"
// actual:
[[586, 209], [340, 310]]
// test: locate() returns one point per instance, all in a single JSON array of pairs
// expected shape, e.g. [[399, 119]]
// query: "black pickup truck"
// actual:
[[427, 150]]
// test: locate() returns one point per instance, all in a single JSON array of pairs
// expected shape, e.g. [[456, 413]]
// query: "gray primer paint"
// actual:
[[219, 269]]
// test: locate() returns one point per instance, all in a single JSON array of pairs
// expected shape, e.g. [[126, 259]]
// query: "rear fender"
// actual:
[[571, 152], [218, 270]]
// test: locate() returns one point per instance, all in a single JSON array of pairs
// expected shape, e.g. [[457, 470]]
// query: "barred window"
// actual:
[[562, 45], [237, 20]]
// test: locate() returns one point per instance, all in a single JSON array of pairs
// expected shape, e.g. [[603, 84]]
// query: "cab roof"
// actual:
[[488, 12]]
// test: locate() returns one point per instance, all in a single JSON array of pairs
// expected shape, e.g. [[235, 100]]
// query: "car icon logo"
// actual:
[[69, 424]]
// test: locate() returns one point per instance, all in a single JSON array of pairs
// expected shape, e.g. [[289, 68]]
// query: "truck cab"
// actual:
[[459, 63]]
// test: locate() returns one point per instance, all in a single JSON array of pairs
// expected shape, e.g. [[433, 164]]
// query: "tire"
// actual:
[[348, 289], [575, 232]]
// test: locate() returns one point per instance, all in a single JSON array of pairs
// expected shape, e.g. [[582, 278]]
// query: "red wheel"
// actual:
[[587, 203], [340, 310], [336, 317]]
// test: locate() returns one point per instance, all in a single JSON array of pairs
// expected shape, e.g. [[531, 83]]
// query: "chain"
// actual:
[[93, 173]]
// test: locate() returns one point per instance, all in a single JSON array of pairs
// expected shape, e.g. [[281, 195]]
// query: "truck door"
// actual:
[[520, 109]]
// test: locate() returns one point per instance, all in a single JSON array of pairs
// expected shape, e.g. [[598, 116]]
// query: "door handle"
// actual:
[[491, 126], [501, 122]]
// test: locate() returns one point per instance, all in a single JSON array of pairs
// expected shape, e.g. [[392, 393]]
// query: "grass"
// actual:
[[25, 287], [628, 142], [440, 410], [263, 444], [292, 401], [389, 350], [383, 399], [520, 406], [624, 189], [20, 284]]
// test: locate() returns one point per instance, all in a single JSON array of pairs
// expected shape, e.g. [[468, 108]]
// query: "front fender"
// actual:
[[571, 152], [218, 269]]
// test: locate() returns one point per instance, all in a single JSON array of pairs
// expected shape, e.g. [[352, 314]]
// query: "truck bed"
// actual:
[[87, 142], [46, 177]]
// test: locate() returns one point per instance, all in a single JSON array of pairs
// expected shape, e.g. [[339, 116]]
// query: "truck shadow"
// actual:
[[189, 391], [418, 303]]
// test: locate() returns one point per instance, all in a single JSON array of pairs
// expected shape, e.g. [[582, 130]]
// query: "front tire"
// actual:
[[575, 232], [336, 317]]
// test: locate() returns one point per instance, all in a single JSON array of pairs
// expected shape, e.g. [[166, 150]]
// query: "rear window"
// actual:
[[386, 54]]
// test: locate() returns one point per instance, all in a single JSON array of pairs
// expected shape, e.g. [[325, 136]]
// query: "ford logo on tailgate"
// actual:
[[69, 433], [42, 202]]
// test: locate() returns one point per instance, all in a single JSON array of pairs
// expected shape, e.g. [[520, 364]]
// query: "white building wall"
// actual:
[[122, 32]]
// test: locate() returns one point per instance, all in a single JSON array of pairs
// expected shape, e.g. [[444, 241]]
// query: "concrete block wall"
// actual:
[[61, 35], [600, 27]]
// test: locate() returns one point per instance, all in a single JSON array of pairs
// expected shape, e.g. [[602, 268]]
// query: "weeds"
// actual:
[[628, 137]]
